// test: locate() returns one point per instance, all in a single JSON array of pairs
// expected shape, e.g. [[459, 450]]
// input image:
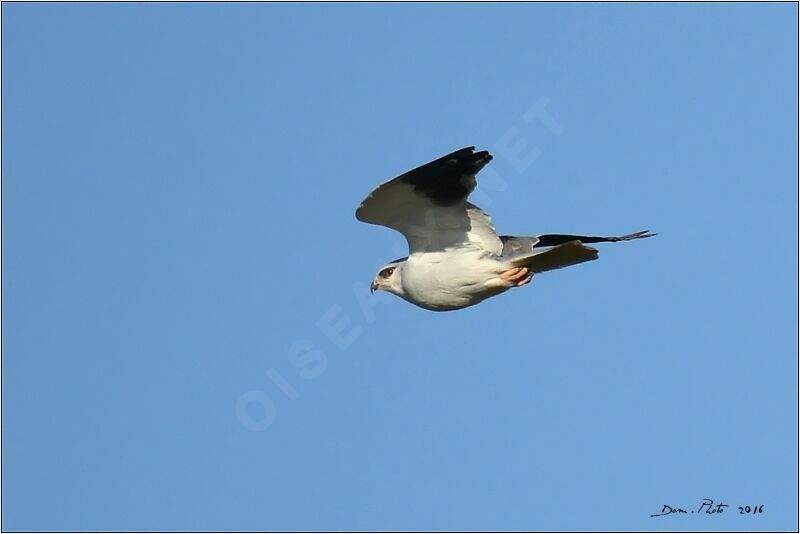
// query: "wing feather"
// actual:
[[428, 205]]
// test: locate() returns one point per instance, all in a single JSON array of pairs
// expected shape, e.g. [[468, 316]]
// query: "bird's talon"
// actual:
[[527, 280], [515, 275]]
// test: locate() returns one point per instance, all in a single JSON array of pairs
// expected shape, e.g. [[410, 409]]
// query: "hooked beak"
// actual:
[[372, 287]]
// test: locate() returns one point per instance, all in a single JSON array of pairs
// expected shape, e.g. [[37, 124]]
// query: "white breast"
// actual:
[[452, 279]]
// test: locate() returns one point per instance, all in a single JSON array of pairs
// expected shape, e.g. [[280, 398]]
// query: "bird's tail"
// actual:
[[564, 255]]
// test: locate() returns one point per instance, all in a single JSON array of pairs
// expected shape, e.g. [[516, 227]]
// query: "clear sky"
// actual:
[[188, 338]]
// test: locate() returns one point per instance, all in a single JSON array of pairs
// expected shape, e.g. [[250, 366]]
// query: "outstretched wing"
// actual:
[[428, 205]]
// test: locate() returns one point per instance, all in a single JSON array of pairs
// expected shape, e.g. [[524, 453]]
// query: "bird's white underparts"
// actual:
[[456, 259]]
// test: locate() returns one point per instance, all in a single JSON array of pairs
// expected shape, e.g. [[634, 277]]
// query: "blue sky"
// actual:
[[188, 338]]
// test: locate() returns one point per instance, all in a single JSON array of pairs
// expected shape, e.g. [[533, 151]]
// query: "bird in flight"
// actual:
[[456, 259]]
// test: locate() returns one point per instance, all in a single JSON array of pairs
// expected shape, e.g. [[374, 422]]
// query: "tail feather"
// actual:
[[564, 255]]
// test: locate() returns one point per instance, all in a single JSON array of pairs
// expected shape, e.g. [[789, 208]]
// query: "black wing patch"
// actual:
[[449, 179]]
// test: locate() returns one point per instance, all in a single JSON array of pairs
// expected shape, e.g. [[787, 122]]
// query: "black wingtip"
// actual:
[[481, 159], [468, 159], [450, 178]]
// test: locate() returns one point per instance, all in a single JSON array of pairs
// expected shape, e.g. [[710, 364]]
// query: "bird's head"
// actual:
[[388, 278]]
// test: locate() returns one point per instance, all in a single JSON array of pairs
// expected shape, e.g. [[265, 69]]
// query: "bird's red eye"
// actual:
[[386, 273]]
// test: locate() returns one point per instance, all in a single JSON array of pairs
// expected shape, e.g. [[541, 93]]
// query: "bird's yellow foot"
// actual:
[[519, 276]]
